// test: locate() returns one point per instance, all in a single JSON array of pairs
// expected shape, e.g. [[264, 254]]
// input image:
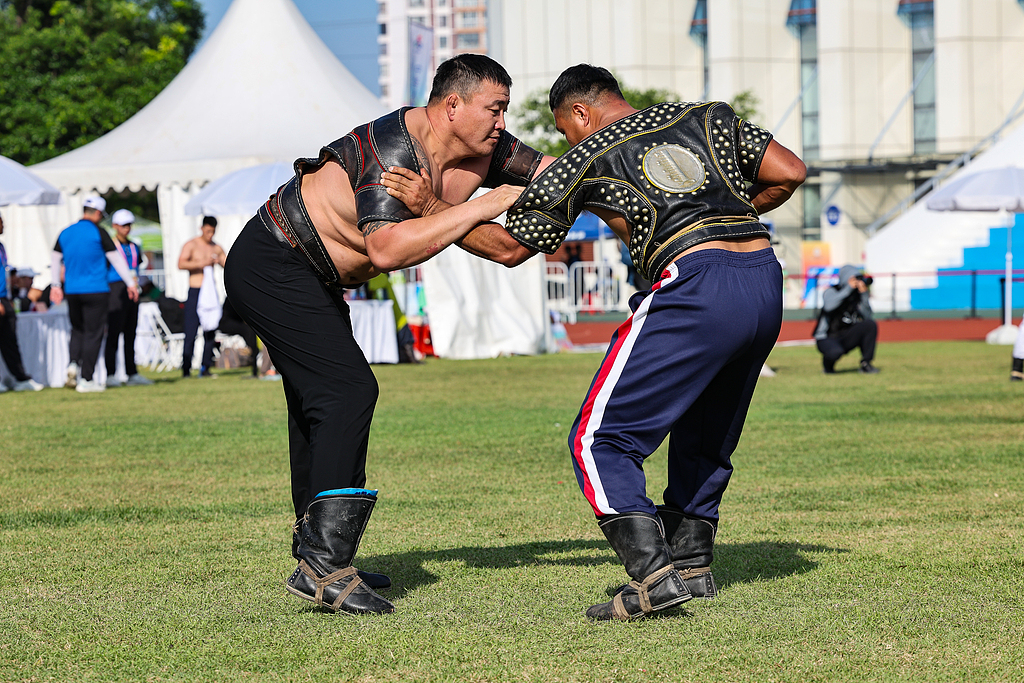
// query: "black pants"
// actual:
[[232, 323], [862, 335], [9, 340], [329, 387], [191, 329], [122, 318], [88, 313]]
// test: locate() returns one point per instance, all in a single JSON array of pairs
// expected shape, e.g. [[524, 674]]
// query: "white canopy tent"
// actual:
[[263, 89]]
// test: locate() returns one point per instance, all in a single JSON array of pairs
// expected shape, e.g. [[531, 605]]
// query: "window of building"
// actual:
[[467, 19], [802, 19], [470, 3], [382, 8], [812, 212], [383, 89], [442, 42], [467, 41], [417, 3], [699, 33], [919, 15], [442, 21], [383, 49], [383, 29]]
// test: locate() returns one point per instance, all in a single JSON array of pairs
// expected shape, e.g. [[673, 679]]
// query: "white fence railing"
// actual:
[[586, 287]]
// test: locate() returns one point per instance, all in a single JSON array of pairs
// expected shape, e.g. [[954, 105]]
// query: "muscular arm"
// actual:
[[391, 246], [186, 260], [487, 240], [781, 173]]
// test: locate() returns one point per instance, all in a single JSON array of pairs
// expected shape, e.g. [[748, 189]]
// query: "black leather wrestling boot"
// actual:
[[375, 581], [691, 542], [637, 538], [328, 540]]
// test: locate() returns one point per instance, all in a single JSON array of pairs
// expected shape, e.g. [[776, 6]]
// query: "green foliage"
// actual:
[[745, 103], [536, 123], [71, 70]]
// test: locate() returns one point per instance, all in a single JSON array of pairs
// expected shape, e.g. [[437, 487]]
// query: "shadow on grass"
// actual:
[[734, 563]]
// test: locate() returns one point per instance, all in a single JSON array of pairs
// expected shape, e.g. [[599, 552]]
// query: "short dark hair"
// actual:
[[463, 73], [210, 220], [582, 83]]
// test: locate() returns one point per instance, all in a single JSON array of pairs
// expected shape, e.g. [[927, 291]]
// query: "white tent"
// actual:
[[922, 240], [263, 88]]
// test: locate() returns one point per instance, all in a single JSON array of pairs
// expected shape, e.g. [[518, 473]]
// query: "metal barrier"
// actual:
[[586, 287], [590, 287], [157, 277]]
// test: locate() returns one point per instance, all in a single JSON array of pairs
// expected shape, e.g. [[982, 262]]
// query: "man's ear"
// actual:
[[581, 113], [451, 103]]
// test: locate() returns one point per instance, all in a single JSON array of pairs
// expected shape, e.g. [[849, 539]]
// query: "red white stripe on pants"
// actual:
[[592, 412]]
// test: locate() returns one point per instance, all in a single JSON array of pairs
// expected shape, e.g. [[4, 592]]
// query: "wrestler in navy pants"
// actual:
[[683, 365]]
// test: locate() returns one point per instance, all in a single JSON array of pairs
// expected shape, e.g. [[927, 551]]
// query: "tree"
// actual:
[[537, 123], [71, 70], [744, 103]]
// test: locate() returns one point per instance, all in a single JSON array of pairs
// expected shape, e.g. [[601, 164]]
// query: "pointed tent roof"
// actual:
[[263, 88]]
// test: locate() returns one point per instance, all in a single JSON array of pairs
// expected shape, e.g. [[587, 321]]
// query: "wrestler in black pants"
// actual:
[[329, 387], [122, 318], [861, 335], [88, 313], [9, 340], [232, 323], [191, 330]]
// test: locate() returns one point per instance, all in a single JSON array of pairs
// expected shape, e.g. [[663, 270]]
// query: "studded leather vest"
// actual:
[[677, 173], [373, 147]]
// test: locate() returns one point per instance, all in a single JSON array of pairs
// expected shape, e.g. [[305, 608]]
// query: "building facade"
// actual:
[[455, 26], [875, 95]]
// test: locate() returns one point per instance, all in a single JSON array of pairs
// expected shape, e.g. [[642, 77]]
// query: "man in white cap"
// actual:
[[86, 249], [123, 311], [9, 350]]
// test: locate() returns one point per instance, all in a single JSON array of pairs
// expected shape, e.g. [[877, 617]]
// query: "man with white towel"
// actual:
[[202, 308]]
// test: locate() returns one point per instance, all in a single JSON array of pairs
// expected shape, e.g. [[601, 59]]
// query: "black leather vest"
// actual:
[[373, 147], [676, 172]]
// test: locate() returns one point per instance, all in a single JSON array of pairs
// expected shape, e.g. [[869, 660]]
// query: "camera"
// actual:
[[866, 279]]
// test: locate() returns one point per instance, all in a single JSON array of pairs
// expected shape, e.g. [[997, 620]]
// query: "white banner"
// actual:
[[421, 57]]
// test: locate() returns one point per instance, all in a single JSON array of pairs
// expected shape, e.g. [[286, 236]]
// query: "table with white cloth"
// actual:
[[373, 326], [45, 352]]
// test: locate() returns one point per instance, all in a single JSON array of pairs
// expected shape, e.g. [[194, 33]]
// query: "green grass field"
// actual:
[[873, 531]]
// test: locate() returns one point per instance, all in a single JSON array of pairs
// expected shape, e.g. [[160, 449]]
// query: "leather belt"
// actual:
[[284, 215], [704, 230]]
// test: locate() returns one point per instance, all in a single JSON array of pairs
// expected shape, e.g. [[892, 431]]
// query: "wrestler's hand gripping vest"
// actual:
[[677, 173]]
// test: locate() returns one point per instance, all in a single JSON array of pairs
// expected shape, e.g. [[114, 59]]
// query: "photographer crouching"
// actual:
[[845, 322]]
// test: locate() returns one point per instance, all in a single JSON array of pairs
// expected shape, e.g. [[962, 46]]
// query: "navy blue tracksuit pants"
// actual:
[[684, 365]]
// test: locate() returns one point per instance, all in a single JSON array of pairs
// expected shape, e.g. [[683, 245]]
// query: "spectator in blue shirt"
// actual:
[[123, 313], [9, 333], [86, 249]]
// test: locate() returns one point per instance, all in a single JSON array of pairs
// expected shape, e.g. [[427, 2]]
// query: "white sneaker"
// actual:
[[3, 387], [138, 380], [28, 385], [113, 382], [88, 386], [72, 376]]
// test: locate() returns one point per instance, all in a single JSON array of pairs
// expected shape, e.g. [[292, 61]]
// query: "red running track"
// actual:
[[936, 329]]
